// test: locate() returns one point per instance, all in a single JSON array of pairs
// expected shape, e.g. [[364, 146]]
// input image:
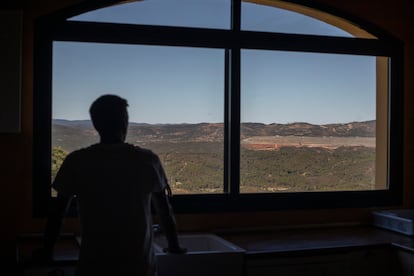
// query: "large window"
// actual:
[[308, 122], [175, 97], [266, 107]]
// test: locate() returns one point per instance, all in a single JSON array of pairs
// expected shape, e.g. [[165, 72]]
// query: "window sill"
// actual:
[[258, 243], [313, 240]]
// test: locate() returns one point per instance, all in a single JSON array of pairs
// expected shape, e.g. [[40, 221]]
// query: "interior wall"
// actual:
[[393, 16]]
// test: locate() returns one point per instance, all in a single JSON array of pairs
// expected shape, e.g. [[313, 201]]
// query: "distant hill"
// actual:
[[72, 123], [71, 135], [353, 129]]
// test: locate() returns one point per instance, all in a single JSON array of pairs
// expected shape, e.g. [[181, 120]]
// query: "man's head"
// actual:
[[110, 117]]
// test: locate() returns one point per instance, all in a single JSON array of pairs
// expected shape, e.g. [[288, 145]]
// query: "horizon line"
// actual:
[[199, 123]]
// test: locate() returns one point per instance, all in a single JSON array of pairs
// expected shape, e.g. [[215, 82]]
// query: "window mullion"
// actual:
[[234, 120], [227, 106], [236, 15], [233, 95]]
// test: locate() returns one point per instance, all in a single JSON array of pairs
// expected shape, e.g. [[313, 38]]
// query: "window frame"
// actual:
[[56, 28]]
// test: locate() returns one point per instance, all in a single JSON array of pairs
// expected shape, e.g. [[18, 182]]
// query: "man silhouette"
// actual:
[[115, 184]]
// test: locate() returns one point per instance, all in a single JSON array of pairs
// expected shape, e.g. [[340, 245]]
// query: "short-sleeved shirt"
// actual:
[[113, 185]]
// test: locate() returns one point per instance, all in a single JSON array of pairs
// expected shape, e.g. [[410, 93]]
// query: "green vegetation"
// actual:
[[193, 170], [192, 167], [58, 155], [197, 167], [270, 159], [304, 169]]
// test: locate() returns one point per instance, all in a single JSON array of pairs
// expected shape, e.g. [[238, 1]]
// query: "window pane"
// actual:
[[176, 105], [180, 13], [293, 19], [309, 122]]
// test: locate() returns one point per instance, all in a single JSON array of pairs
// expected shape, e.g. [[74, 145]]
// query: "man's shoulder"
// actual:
[[80, 152], [146, 154], [126, 149]]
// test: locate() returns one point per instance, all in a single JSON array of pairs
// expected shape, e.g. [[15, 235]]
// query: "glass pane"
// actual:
[[176, 105], [180, 13], [309, 122], [264, 18]]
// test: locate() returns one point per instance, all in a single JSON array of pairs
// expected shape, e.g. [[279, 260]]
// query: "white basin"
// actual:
[[207, 254]]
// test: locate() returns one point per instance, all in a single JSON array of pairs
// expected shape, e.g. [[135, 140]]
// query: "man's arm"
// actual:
[[167, 221], [52, 229]]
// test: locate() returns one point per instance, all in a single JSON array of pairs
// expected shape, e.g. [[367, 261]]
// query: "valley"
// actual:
[[297, 157]]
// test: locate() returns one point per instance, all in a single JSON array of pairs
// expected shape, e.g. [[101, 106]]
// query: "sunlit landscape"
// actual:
[[273, 159]]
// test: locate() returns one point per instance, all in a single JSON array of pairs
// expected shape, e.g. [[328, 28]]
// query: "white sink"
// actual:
[[207, 254]]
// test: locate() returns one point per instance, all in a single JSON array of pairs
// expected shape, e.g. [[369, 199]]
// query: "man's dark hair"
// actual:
[[109, 114]]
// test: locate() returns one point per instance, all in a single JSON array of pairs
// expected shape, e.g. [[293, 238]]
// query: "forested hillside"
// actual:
[[274, 157]]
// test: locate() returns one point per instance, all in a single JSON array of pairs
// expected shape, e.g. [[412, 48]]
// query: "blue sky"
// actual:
[[185, 85]]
